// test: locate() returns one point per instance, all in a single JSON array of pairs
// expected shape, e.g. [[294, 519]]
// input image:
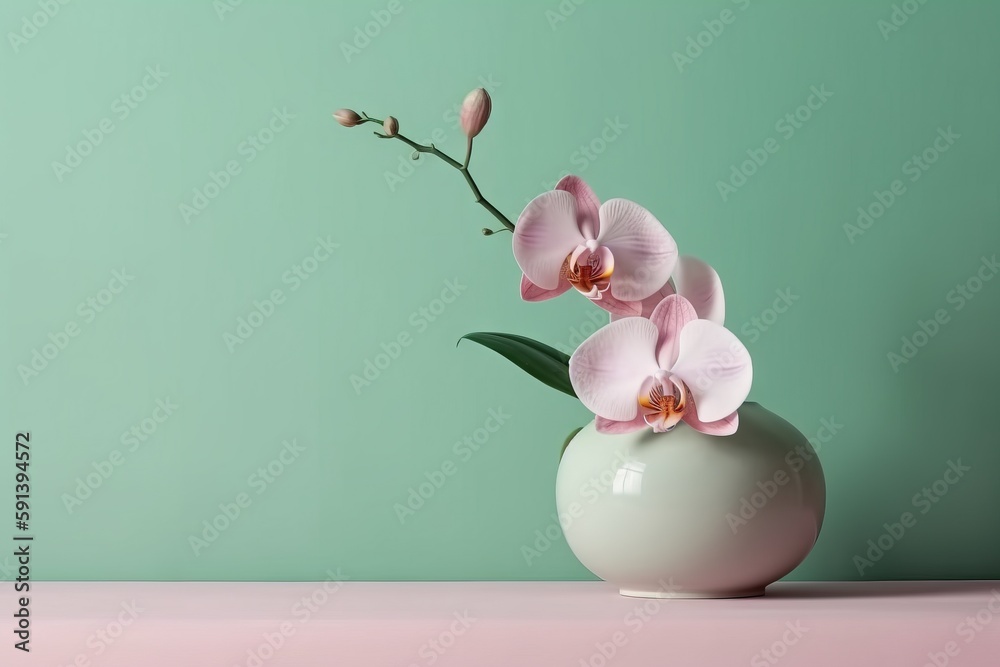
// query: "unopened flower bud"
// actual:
[[347, 117], [475, 112], [487, 231], [390, 126]]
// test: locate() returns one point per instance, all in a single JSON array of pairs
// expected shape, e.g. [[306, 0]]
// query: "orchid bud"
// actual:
[[347, 117], [475, 112], [390, 126]]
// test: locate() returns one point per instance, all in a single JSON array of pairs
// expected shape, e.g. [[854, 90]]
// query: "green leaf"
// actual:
[[541, 361], [569, 439]]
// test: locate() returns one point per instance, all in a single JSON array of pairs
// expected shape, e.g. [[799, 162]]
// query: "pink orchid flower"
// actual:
[[697, 282], [615, 253], [636, 372]]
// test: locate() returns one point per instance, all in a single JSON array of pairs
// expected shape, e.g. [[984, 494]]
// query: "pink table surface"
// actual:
[[508, 624]]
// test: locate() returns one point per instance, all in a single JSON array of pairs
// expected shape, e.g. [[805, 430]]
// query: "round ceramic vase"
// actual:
[[688, 515]]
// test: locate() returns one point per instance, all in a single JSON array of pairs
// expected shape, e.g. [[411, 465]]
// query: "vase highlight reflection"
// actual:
[[688, 515]]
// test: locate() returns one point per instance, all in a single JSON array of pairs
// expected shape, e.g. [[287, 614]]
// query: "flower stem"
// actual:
[[464, 168]]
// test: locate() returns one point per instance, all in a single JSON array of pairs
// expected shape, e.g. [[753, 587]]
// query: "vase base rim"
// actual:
[[691, 595]]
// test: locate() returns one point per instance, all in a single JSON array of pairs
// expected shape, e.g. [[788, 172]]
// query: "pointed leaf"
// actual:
[[542, 362]]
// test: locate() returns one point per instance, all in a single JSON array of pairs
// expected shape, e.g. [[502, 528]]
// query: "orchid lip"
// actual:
[[589, 269], [663, 401]]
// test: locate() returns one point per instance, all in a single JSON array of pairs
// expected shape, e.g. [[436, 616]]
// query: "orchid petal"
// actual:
[[698, 282], [532, 292], [587, 205], [645, 253], [608, 369], [725, 426], [617, 307], [670, 317], [617, 427], [650, 302], [715, 366], [546, 233]]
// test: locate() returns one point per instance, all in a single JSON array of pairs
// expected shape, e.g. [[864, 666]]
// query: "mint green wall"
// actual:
[[278, 70]]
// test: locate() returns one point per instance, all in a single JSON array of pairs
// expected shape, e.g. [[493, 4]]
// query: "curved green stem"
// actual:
[[464, 168]]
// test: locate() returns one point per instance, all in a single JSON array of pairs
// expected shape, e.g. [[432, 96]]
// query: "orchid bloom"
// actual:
[[636, 372], [697, 282], [616, 253]]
